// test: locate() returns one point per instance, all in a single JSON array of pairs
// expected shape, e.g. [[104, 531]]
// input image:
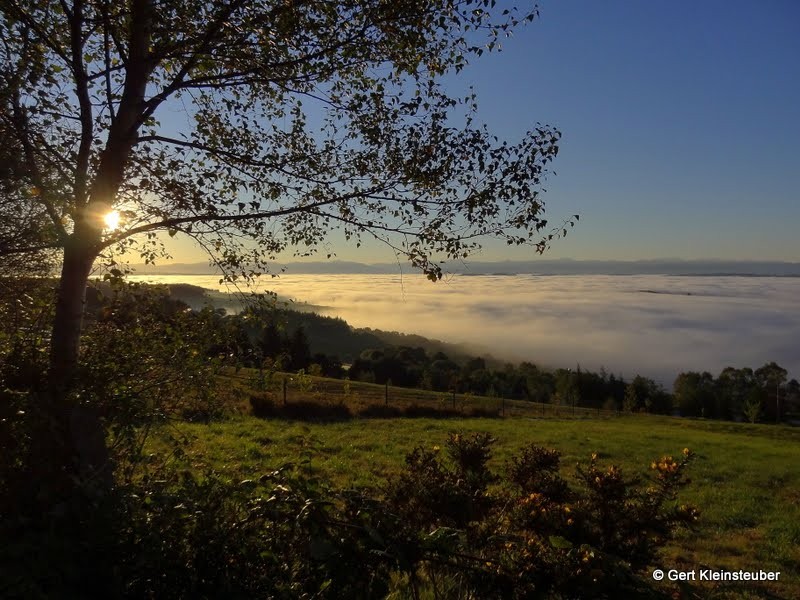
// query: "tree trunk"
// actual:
[[79, 430]]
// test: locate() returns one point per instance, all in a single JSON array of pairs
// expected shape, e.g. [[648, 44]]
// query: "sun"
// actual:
[[111, 220]]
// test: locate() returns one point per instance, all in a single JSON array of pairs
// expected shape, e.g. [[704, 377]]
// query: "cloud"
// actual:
[[650, 324]]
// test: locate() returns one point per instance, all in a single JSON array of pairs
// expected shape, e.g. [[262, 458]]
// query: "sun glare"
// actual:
[[112, 220]]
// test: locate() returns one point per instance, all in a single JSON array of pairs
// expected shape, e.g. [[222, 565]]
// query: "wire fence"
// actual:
[[286, 388]]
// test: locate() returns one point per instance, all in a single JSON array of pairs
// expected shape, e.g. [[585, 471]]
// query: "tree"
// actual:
[[733, 386], [301, 118], [770, 378], [694, 394], [644, 393], [299, 353], [751, 408], [630, 402], [567, 390], [23, 220], [771, 375], [792, 402]]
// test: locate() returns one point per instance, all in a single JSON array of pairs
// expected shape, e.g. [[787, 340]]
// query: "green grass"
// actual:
[[745, 480]]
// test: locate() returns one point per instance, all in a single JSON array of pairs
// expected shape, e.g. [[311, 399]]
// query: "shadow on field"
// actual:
[[307, 410]]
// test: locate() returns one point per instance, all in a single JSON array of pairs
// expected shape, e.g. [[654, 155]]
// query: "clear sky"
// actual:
[[680, 122]]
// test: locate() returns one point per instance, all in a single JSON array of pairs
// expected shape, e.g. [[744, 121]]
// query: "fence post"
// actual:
[[284, 389]]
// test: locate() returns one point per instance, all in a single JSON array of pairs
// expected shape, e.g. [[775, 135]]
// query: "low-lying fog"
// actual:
[[653, 325]]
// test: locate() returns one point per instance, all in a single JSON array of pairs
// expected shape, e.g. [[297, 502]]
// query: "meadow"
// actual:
[[745, 478]]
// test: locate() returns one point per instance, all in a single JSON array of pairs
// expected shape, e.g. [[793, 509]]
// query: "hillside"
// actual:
[[327, 335]]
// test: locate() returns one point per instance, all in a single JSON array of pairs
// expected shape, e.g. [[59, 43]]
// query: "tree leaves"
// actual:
[[298, 119]]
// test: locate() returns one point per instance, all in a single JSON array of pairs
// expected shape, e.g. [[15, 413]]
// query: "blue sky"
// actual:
[[680, 125], [680, 121]]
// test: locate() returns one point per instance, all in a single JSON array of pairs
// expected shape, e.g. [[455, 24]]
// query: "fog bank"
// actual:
[[650, 324]]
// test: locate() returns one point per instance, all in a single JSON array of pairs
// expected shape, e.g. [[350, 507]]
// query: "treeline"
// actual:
[[739, 394], [284, 340], [279, 339], [763, 394]]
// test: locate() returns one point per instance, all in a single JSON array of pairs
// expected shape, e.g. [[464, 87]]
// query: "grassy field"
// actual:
[[746, 479]]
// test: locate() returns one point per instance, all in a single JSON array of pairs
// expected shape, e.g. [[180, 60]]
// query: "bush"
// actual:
[[263, 406], [380, 411], [314, 411], [445, 527], [533, 536], [272, 538], [479, 412], [429, 412]]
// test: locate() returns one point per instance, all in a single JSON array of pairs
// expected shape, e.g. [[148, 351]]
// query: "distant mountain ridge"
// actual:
[[531, 267]]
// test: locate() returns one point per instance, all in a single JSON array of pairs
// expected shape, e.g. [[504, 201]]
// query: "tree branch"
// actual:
[[212, 218], [29, 249], [239, 158], [23, 135], [84, 102], [177, 81], [44, 37], [107, 58]]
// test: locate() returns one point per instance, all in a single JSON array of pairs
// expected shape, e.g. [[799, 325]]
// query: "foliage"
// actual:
[[145, 362], [380, 159], [534, 536], [299, 119], [24, 221], [643, 394], [415, 367], [694, 394], [264, 405], [300, 410], [444, 524], [738, 393], [173, 535], [751, 407], [26, 309], [267, 335], [143, 365]]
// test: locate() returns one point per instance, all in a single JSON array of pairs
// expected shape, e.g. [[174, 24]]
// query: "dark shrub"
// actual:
[[276, 537], [306, 410], [535, 469], [262, 406], [430, 412], [532, 537], [441, 525], [483, 413], [380, 411]]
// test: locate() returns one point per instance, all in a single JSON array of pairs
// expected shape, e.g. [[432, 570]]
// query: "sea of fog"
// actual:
[[655, 325]]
